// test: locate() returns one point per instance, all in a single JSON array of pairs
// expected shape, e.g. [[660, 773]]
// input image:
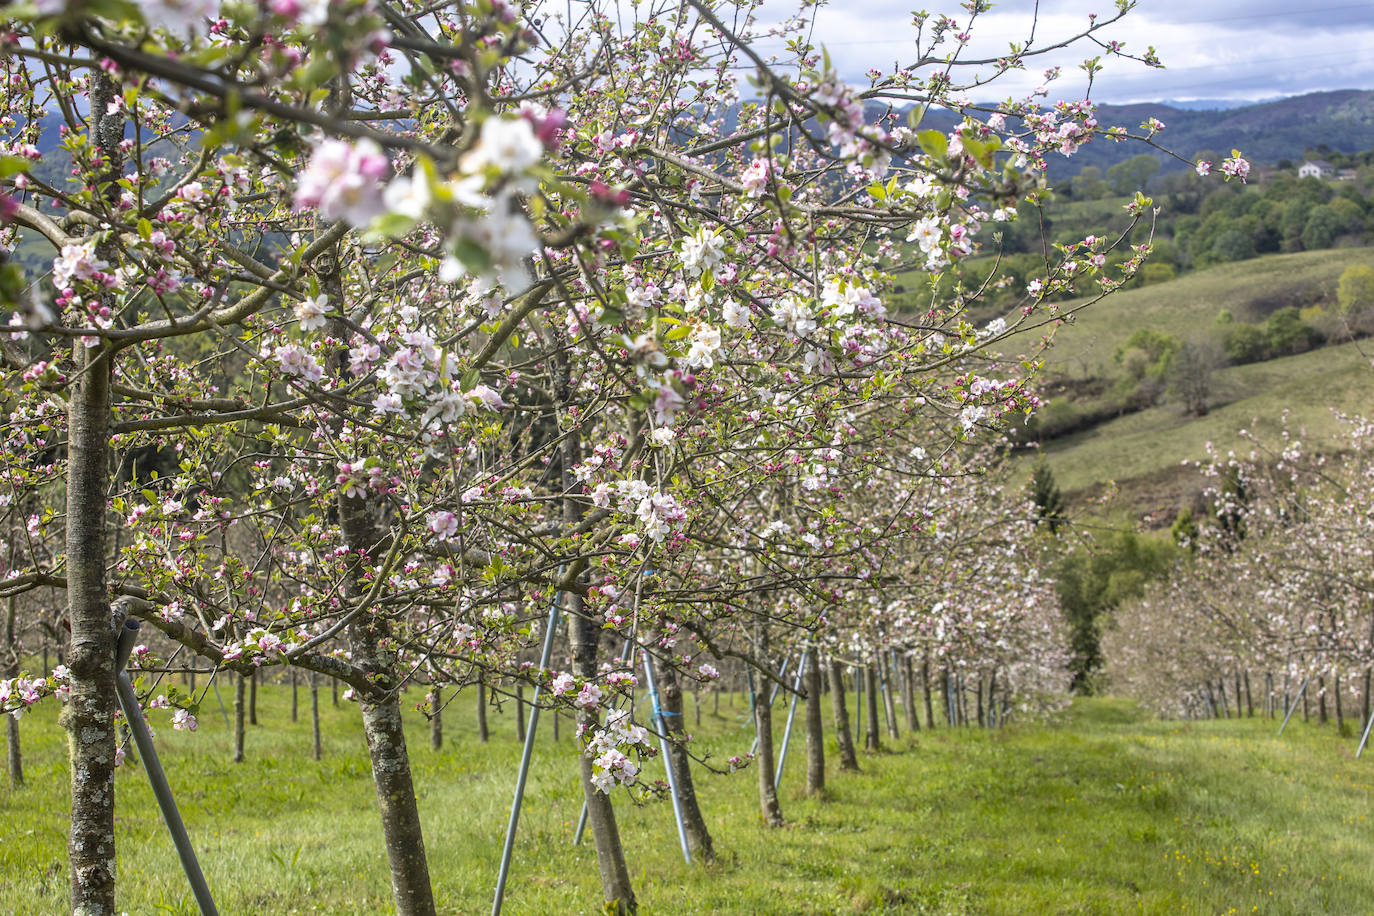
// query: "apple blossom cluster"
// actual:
[[260, 646], [657, 512], [478, 211], [17, 694], [615, 750]]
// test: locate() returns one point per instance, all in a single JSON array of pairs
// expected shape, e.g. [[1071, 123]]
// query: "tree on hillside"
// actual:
[[1089, 184], [1191, 373], [1049, 500], [1093, 579], [1133, 174], [1355, 289]]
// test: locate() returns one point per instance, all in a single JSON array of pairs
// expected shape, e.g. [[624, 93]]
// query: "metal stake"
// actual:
[[525, 755], [133, 715], [1296, 700], [667, 760], [1364, 739], [791, 714], [773, 695]]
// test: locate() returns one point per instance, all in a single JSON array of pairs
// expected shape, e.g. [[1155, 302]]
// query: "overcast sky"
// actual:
[[1212, 49]]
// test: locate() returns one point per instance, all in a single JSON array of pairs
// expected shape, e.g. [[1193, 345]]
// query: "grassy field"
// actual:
[[1103, 811]]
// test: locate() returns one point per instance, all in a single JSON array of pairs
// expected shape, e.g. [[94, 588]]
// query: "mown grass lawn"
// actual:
[[1103, 811]]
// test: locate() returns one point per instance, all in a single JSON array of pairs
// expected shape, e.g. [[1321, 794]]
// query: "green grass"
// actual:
[[1105, 812]]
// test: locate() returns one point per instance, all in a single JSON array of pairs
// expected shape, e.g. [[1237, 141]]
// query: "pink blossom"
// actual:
[[345, 182], [444, 524]]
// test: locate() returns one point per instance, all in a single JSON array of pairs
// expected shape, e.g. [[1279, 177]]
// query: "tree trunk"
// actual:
[[13, 756], [520, 713], [838, 700], [889, 707], [925, 691], [240, 691], [386, 741], [315, 715], [978, 703], [610, 855], [872, 741], [947, 696], [89, 714], [372, 647], [482, 711], [436, 718], [815, 736], [1321, 700], [670, 700], [295, 698], [1340, 712], [913, 718], [253, 698], [334, 690], [1249, 700], [763, 726]]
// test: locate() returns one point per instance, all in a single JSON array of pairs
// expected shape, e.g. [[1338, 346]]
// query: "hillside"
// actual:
[[1142, 450]]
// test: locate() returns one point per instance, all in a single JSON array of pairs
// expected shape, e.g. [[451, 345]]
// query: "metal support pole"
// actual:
[[667, 760], [1364, 739], [133, 715], [1297, 699], [581, 826], [791, 715], [772, 695], [525, 755], [214, 682]]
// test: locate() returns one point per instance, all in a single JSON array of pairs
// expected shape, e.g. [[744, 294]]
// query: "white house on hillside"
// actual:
[[1317, 168]]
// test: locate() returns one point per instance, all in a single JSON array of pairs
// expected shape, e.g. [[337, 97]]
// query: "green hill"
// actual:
[[1093, 434]]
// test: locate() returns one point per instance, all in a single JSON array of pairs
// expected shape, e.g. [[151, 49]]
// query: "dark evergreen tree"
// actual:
[[1048, 498]]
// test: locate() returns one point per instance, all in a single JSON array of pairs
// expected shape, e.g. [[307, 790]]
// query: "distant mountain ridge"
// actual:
[[1265, 132]]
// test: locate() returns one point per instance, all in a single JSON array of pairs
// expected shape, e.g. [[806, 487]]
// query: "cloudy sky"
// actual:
[[1212, 49]]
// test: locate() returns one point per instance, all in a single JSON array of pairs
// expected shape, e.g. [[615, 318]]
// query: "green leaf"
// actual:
[[934, 143], [13, 165]]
